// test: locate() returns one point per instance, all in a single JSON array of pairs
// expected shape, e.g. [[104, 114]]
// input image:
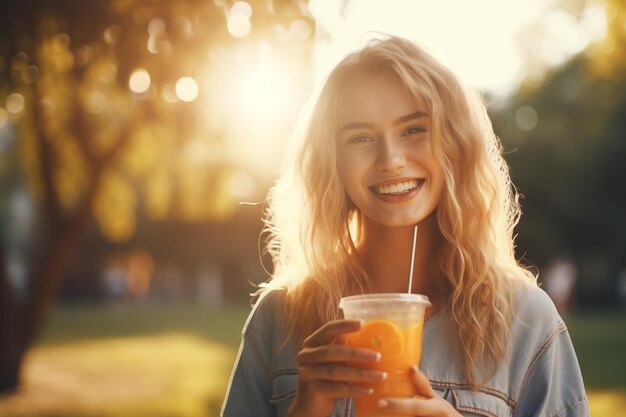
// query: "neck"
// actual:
[[386, 252]]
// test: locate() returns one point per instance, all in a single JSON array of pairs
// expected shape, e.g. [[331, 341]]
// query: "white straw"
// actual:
[[412, 260]]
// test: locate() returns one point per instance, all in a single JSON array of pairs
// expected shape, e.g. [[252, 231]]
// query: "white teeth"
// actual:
[[398, 188]]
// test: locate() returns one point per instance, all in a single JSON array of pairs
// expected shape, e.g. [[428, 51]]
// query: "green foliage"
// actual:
[[88, 135], [570, 169]]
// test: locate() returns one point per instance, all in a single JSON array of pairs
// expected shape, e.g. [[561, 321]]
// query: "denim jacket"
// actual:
[[540, 376]]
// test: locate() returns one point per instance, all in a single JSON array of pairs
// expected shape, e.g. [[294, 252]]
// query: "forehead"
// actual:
[[376, 98]]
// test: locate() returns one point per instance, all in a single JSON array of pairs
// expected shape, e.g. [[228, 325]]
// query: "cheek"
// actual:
[[343, 173], [347, 170]]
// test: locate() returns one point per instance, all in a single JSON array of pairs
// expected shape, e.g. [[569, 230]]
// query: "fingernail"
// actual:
[[382, 403], [413, 369], [384, 376], [377, 357]]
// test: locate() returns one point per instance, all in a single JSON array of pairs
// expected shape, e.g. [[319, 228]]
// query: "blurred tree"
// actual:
[[607, 58], [116, 106], [565, 138]]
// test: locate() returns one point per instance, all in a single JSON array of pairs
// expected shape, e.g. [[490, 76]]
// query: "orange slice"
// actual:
[[382, 336]]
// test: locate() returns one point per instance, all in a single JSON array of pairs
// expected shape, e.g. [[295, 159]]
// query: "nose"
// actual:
[[391, 156]]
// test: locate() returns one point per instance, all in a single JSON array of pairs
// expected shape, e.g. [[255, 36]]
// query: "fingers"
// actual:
[[339, 389], [329, 369], [342, 373], [331, 330], [435, 406], [426, 403], [319, 347], [336, 353], [409, 406], [422, 384]]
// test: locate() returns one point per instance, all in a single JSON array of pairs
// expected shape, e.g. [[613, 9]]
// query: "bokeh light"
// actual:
[[186, 89], [19, 61], [15, 103], [526, 118], [157, 45], [61, 42], [30, 74], [242, 8], [156, 26], [139, 81], [112, 34], [239, 25], [83, 55]]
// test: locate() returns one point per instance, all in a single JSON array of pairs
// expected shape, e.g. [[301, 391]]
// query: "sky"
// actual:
[[482, 41]]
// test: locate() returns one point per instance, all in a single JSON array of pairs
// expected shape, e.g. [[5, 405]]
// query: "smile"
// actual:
[[398, 188]]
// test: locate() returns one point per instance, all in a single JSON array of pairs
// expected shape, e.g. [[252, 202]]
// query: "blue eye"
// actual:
[[413, 130]]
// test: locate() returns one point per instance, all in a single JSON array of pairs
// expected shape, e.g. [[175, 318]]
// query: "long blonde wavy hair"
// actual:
[[309, 217]]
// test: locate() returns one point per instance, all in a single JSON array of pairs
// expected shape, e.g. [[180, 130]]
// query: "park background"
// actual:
[[138, 140]]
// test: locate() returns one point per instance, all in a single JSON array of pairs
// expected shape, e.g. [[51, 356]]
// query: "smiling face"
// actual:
[[384, 156]]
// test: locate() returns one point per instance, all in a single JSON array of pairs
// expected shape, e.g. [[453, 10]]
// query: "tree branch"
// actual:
[[61, 248], [63, 243], [79, 129], [51, 202]]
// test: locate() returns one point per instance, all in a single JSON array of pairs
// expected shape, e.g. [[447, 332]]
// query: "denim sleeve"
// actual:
[[553, 385], [249, 389]]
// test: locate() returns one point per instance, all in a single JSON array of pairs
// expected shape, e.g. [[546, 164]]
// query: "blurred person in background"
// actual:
[[560, 281]]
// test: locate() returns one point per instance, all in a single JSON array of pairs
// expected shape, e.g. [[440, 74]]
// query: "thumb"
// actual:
[[422, 384]]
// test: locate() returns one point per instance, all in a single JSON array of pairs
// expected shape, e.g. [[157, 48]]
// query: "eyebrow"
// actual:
[[399, 120]]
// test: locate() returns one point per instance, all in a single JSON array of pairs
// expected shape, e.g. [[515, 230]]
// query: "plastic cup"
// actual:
[[392, 325]]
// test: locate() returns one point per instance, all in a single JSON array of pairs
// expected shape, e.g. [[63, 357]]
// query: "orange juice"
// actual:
[[392, 326]]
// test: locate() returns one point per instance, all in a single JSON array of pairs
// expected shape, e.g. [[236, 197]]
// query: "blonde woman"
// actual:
[[395, 141]]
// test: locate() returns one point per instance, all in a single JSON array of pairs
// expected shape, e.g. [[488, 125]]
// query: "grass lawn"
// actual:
[[600, 342], [599, 338], [139, 361], [174, 361]]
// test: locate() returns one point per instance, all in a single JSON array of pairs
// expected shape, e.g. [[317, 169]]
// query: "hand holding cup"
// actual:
[[329, 370]]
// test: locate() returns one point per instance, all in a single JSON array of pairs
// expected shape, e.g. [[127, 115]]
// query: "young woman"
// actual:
[[395, 141]]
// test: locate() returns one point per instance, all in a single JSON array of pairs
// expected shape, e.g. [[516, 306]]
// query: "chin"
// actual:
[[399, 219]]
